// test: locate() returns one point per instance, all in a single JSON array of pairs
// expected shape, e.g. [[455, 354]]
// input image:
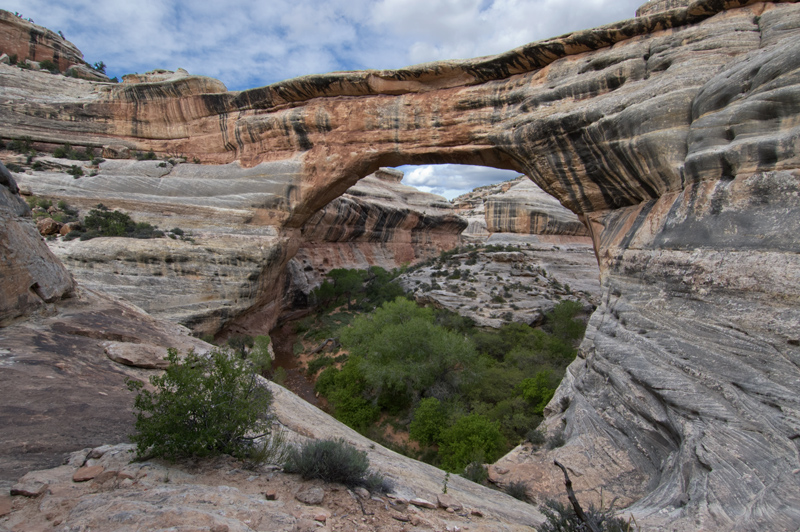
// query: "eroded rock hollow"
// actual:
[[675, 136]]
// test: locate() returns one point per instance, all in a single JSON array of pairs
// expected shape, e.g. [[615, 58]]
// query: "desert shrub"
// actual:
[[75, 171], [562, 518], [21, 145], [476, 472], [403, 350], [49, 65], [201, 406], [345, 390], [536, 437], [259, 354], [273, 448], [518, 490], [331, 461], [562, 323], [538, 390], [12, 167], [102, 222], [317, 364], [146, 156], [471, 438]]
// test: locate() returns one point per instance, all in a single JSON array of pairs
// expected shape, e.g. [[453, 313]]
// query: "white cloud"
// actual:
[[451, 180], [250, 43]]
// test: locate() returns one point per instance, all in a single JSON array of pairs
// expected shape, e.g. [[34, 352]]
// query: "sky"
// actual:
[[252, 43]]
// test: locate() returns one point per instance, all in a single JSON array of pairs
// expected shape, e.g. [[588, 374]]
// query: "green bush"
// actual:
[[538, 390], [102, 222], [21, 145], [201, 406], [331, 461], [430, 419], [472, 438], [49, 65], [536, 437], [259, 354], [345, 390], [404, 351]]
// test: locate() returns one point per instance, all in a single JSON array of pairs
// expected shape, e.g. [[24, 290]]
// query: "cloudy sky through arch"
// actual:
[[252, 43]]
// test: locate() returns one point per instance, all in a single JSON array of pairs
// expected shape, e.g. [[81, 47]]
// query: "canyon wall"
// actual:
[[674, 135], [377, 222]]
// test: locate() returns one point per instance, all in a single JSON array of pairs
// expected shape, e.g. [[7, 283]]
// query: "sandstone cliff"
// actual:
[[27, 41], [32, 277], [377, 222], [674, 135], [235, 263]]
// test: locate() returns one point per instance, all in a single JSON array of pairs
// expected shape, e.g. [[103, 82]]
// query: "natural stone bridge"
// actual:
[[675, 136]]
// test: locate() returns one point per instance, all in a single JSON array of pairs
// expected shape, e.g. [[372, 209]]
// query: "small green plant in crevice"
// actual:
[[75, 171], [444, 483], [203, 405], [49, 65], [332, 461]]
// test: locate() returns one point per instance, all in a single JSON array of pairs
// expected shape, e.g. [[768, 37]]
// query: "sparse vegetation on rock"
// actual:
[[332, 461], [201, 406]]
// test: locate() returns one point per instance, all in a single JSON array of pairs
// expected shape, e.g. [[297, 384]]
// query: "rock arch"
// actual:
[[674, 136]]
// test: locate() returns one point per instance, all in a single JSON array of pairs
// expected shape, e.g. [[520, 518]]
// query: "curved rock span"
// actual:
[[674, 136]]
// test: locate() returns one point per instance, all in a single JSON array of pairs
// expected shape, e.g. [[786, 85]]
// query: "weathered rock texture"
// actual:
[[520, 284], [234, 265], [675, 136], [377, 222], [527, 209], [30, 42], [31, 276], [218, 494]]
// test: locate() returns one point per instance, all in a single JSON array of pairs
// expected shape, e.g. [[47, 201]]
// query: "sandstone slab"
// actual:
[[311, 496], [87, 473]]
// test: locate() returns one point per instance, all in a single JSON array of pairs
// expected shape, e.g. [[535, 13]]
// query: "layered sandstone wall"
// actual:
[[377, 222], [527, 209], [31, 42]]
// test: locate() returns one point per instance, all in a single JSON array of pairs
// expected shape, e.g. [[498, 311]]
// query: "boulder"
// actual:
[[48, 226], [87, 473], [311, 496], [145, 356]]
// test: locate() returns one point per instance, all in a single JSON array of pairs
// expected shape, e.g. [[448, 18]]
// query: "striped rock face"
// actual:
[[674, 136]]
